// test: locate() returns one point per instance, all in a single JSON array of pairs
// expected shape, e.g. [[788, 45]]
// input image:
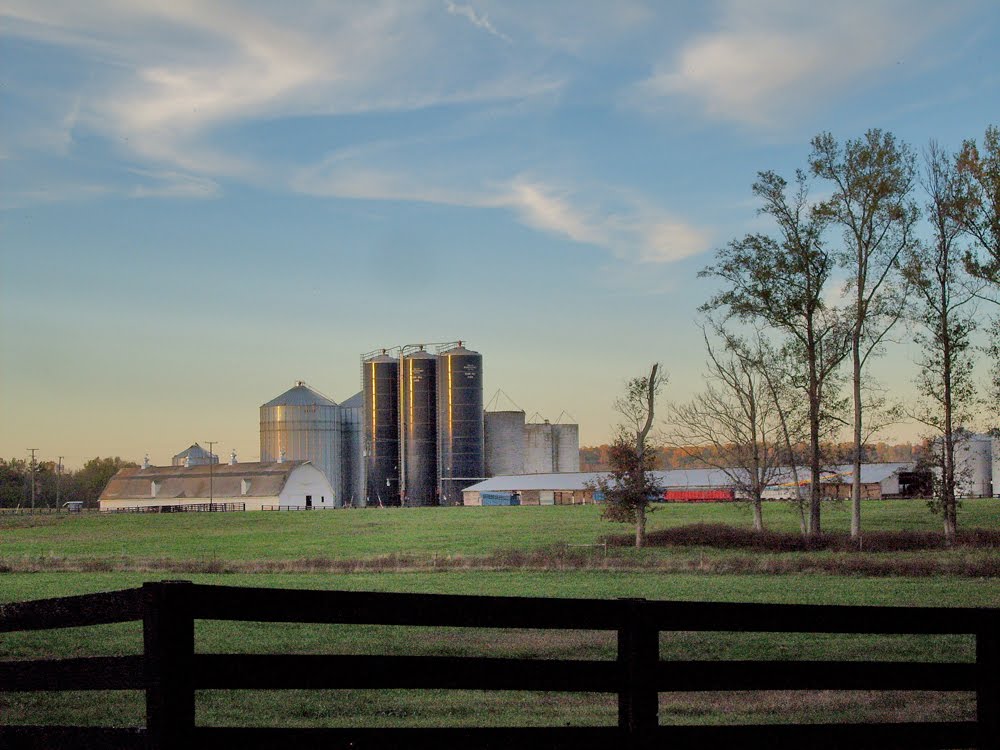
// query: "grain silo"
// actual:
[[504, 443], [380, 375], [974, 466], [351, 454], [303, 425], [566, 447], [418, 419], [459, 422]]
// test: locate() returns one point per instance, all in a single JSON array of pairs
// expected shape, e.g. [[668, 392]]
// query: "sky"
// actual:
[[202, 202]]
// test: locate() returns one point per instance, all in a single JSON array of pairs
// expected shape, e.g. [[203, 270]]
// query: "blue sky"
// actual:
[[201, 202]]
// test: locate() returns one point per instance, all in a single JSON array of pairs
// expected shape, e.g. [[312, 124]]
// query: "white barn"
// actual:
[[255, 485]]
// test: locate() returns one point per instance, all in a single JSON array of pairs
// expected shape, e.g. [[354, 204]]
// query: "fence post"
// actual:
[[988, 681], [168, 636], [638, 655]]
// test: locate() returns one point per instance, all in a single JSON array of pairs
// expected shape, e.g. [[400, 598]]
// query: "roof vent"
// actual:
[[145, 461], [299, 383], [232, 458]]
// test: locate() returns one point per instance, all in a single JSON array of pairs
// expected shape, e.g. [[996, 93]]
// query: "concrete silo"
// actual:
[[459, 422], [996, 466], [380, 386], [504, 443], [538, 447], [418, 419], [974, 466], [566, 448], [303, 425]]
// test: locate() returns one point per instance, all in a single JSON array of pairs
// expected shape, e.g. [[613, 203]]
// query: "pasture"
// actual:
[[463, 550]]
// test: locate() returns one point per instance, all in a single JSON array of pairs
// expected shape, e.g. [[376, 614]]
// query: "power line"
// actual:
[[211, 462], [32, 450]]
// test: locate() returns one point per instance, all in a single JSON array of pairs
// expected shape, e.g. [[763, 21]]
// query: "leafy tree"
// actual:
[[95, 475], [631, 483], [782, 282], [946, 315], [13, 482], [872, 178], [734, 425]]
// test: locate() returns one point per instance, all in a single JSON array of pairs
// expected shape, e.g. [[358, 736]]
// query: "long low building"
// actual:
[[255, 486], [877, 481]]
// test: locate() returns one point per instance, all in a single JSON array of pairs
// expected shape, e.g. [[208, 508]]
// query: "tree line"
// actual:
[[54, 485], [897, 243]]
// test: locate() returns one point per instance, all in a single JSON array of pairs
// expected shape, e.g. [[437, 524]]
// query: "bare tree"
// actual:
[[782, 282], [631, 483], [733, 425], [947, 318], [977, 210], [873, 178]]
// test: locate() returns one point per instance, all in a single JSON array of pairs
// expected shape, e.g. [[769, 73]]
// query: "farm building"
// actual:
[[688, 485], [254, 486]]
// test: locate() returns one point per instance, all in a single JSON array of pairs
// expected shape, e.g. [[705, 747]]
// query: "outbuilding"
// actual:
[[244, 486]]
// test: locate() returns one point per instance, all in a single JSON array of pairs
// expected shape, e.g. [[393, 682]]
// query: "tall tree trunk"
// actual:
[[758, 517], [815, 488], [948, 489], [640, 527], [856, 480]]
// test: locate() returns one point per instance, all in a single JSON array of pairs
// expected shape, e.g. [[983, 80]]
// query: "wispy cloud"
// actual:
[[769, 59], [480, 21], [601, 216], [170, 184]]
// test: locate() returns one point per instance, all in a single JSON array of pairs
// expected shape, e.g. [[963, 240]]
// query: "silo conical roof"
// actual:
[[300, 395]]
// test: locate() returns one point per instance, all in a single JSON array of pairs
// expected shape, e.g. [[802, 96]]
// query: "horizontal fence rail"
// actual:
[[169, 670]]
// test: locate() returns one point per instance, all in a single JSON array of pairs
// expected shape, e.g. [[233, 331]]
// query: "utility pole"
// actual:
[[32, 478], [211, 467], [58, 481]]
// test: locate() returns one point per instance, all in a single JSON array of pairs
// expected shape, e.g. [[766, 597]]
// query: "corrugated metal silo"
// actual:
[[352, 462], [504, 443], [381, 429], [306, 426], [418, 416], [459, 421], [567, 447]]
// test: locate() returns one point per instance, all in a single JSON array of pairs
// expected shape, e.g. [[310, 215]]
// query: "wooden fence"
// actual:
[[170, 671]]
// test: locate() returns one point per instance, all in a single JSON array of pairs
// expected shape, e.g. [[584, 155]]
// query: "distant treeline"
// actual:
[[53, 487], [596, 458]]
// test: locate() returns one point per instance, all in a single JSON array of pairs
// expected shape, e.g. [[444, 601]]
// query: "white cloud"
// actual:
[[767, 60], [479, 21], [170, 184], [603, 217]]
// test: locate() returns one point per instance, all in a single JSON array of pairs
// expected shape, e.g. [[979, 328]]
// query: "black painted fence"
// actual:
[[170, 671]]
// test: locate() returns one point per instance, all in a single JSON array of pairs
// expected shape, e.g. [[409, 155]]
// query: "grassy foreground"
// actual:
[[133, 549], [360, 534], [434, 708]]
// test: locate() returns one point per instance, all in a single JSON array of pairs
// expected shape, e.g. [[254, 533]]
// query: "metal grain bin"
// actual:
[[418, 417], [306, 426], [459, 421], [381, 429]]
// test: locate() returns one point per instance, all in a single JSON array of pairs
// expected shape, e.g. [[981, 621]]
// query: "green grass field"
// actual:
[[192, 539]]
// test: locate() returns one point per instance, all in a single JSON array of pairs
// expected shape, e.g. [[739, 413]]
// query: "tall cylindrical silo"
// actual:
[[460, 421], [974, 466], [504, 443], [538, 448], [381, 429], [567, 447], [302, 425], [418, 417], [996, 466]]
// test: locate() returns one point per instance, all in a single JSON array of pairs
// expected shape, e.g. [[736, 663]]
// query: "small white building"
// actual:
[[256, 486]]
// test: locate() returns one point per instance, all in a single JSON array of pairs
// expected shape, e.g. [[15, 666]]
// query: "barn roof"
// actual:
[[177, 482], [677, 478]]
